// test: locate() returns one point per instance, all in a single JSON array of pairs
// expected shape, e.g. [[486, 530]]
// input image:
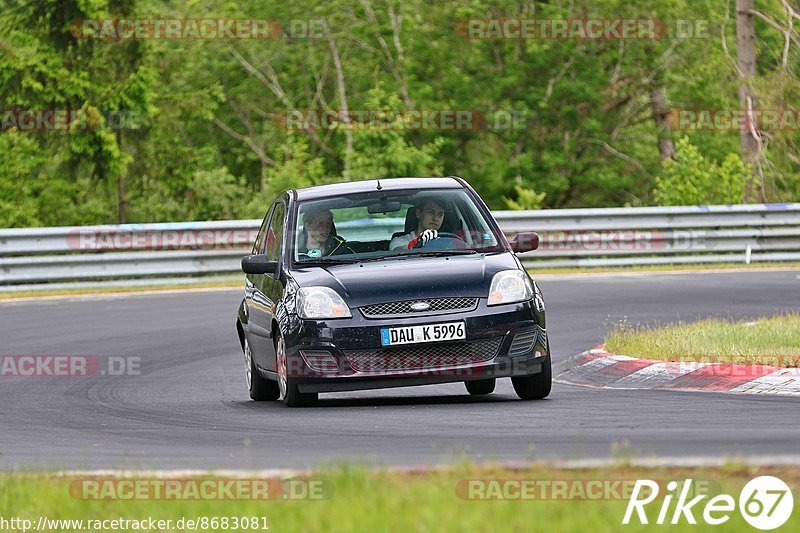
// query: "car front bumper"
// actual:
[[346, 354]]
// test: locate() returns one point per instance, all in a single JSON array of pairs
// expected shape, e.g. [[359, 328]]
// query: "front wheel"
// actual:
[[537, 386], [261, 389], [289, 390]]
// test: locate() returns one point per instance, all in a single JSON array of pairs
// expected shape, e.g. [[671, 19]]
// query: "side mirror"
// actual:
[[259, 264], [525, 241]]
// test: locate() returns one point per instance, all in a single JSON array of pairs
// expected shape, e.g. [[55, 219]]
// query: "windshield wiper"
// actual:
[[441, 253], [381, 258], [328, 261]]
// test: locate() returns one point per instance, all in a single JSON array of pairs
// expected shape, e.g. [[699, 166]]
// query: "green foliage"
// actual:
[[384, 149], [390, 154], [19, 167], [297, 169], [215, 194], [691, 179], [526, 199], [568, 122]]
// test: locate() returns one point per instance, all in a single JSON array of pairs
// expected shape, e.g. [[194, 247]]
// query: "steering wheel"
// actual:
[[450, 236], [452, 241]]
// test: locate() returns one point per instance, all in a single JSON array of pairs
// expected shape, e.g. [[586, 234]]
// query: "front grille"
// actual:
[[423, 356], [523, 343], [320, 360], [438, 306]]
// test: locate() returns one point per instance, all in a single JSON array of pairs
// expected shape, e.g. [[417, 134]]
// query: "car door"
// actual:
[[257, 336], [249, 279], [267, 290]]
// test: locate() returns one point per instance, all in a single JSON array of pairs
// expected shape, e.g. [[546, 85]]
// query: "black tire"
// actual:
[[287, 385], [536, 386], [261, 389], [480, 386]]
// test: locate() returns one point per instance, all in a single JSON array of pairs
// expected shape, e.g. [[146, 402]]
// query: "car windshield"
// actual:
[[393, 224]]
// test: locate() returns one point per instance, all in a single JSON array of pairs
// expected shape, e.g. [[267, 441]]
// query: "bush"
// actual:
[[690, 179], [216, 195]]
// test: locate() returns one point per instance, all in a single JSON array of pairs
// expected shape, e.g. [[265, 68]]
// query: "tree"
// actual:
[[746, 63]]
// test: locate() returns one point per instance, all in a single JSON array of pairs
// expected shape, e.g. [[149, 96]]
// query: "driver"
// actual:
[[318, 238], [430, 216]]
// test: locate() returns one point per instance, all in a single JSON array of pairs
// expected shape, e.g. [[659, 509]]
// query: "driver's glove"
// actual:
[[423, 238]]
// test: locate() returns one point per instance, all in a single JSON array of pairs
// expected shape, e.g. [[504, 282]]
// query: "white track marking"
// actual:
[[657, 374], [785, 381]]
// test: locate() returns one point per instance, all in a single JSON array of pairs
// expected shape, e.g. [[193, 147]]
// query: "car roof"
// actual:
[[388, 184]]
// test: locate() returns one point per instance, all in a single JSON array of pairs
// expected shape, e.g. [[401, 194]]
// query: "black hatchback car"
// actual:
[[389, 283]]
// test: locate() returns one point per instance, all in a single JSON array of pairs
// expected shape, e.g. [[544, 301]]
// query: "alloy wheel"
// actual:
[[282, 366], [248, 364]]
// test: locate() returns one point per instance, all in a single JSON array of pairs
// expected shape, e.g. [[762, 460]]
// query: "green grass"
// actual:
[[364, 500], [769, 341]]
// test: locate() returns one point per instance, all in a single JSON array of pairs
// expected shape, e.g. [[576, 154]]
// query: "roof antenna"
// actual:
[[379, 184]]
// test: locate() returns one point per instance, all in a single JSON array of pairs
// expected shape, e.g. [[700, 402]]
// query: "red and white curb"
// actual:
[[598, 368]]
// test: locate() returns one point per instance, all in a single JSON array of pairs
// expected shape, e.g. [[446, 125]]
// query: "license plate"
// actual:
[[424, 333]]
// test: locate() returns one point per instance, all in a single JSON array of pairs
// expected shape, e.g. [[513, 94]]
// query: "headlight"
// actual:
[[321, 302], [510, 286]]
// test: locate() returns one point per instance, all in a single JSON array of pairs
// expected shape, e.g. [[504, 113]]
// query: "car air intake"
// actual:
[[423, 356], [424, 307], [319, 360], [523, 343]]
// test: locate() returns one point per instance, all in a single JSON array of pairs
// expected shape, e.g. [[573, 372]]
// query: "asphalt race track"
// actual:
[[189, 406]]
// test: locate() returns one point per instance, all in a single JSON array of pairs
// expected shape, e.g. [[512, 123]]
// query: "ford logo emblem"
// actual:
[[420, 306]]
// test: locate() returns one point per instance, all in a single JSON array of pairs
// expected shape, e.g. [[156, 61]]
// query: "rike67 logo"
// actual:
[[765, 503]]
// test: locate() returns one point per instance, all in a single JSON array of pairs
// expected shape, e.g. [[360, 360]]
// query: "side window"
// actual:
[[274, 235], [257, 247]]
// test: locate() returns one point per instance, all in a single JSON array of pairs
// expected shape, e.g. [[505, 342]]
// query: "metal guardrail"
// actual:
[[569, 237]]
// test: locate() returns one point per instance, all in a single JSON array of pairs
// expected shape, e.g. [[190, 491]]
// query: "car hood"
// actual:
[[409, 278]]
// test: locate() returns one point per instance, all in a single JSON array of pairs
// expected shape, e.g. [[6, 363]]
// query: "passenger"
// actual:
[[318, 237], [430, 216]]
